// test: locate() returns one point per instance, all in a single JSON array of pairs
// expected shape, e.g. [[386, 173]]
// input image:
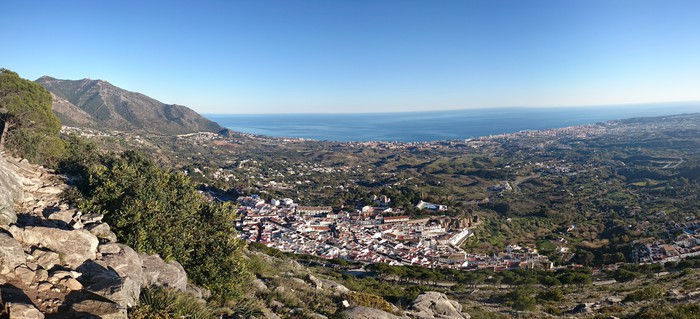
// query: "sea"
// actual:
[[435, 125]]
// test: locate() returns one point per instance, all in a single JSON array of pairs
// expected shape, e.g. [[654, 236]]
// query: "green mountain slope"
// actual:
[[99, 104]]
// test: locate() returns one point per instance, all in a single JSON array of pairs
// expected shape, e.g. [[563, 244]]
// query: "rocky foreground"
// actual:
[[57, 262]]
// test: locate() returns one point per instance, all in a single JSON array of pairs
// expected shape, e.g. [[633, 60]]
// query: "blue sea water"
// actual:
[[434, 125]]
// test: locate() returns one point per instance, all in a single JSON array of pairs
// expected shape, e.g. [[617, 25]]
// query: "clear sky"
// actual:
[[363, 56]]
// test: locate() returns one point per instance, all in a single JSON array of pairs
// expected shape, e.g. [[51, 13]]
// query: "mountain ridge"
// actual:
[[100, 104]]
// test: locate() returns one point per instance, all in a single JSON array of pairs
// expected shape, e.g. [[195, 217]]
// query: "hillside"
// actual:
[[99, 104]]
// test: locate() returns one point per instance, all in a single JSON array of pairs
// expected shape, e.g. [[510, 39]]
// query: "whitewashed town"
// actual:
[[374, 234]]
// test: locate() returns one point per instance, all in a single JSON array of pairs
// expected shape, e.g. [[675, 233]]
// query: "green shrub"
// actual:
[[623, 275], [551, 295], [169, 303], [646, 293], [520, 299], [369, 300], [158, 211]]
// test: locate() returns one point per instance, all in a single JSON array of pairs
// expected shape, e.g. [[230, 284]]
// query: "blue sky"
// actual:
[[364, 56]]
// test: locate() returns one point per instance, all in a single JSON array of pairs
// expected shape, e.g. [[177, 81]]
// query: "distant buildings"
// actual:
[[430, 206], [372, 234]]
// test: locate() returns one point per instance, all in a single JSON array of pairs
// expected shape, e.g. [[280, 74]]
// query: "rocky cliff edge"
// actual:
[[57, 262]]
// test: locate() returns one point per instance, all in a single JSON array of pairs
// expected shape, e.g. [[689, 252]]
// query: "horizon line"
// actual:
[[644, 104]]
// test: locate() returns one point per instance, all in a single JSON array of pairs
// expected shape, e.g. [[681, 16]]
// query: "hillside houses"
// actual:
[[372, 234]]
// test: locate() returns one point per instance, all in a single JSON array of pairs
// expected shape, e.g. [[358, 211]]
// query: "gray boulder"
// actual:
[[24, 311], [7, 215], [161, 274], [102, 231], [11, 254], [359, 312], [24, 274], [122, 291], [433, 304], [97, 309], [11, 191], [315, 282], [46, 258], [123, 260], [90, 218], [334, 286], [76, 246], [65, 217], [583, 308]]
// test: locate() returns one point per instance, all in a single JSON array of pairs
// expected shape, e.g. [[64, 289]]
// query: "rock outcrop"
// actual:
[[163, 274], [11, 191], [11, 254], [60, 262], [433, 304], [76, 246]]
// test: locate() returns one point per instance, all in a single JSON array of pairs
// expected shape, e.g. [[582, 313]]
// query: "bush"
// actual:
[[646, 293], [521, 299], [162, 303], [623, 275], [551, 295], [158, 211], [369, 300]]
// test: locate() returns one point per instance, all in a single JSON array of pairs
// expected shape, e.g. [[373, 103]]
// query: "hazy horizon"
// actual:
[[476, 108]]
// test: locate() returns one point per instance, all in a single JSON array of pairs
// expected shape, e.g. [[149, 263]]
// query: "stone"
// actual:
[[45, 258], [102, 231], [126, 262], [315, 282], [122, 291], [76, 224], [24, 311], [64, 216], [41, 275], [71, 284], [56, 276], [109, 248], [433, 304], [360, 312], [97, 309], [11, 192], [32, 265], [7, 215], [50, 190], [583, 308], [24, 274], [260, 286], [161, 274], [44, 286], [11, 254], [613, 299], [334, 286], [76, 246], [90, 218]]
